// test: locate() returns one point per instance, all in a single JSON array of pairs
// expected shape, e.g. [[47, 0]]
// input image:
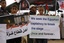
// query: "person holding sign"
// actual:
[[14, 10], [32, 12], [11, 22], [41, 12]]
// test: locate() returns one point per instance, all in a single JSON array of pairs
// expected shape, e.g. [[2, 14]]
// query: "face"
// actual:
[[33, 9], [14, 10], [40, 9], [3, 4]]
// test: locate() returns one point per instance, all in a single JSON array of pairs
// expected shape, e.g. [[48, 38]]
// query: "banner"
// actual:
[[17, 25], [2, 33], [17, 32], [45, 27]]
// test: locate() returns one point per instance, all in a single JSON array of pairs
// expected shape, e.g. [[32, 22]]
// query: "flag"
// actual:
[[47, 9]]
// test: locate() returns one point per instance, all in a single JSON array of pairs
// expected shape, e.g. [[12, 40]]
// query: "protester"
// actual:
[[41, 13], [32, 12], [3, 10], [12, 21], [14, 10]]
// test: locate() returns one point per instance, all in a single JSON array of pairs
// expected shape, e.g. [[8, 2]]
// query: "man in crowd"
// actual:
[[3, 10]]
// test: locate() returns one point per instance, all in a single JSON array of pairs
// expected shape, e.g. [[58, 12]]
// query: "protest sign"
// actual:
[[2, 33], [46, 27], [17, 32], [17, 25]]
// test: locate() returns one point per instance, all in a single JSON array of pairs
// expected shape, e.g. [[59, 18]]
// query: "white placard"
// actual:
[[2, 33], [17, 32], [46, 27]]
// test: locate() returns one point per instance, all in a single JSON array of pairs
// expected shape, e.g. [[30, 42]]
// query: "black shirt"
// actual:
[[3, 11], [32, 13]]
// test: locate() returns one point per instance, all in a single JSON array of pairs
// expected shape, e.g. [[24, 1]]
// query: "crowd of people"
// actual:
[[13, 11]]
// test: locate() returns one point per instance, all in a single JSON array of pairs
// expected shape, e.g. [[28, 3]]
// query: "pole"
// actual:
[[55, 6]]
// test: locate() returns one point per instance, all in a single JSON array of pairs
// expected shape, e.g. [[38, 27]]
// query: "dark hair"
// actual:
[[2, 0], [14, 6]]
